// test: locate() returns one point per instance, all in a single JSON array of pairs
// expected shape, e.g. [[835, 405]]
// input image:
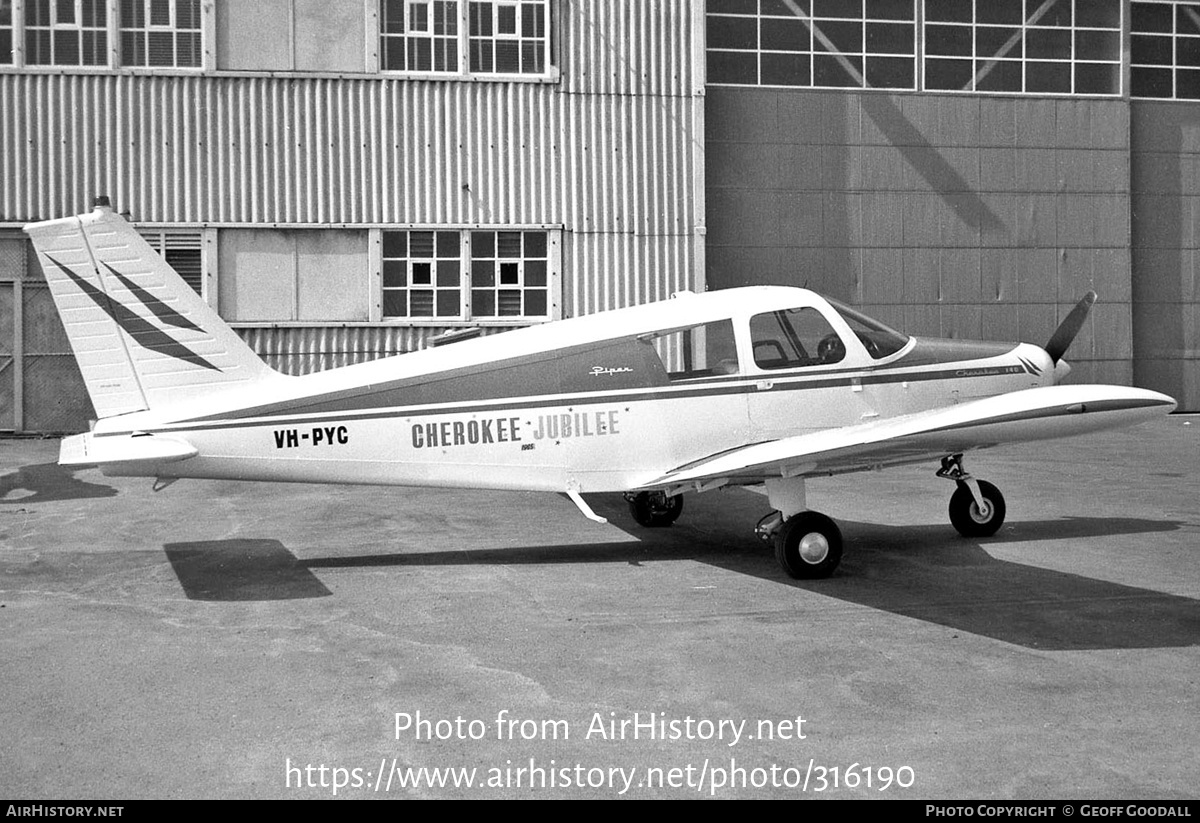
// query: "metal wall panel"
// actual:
[[8, 360], [943, 214], [635, 270], [329, 36], [335, 151], [630, 47], [41, 389], [255, 36], [12, 339], [298, 275], [1166, 248]]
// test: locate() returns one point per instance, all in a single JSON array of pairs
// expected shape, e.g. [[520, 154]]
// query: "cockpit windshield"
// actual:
[[879, 340]]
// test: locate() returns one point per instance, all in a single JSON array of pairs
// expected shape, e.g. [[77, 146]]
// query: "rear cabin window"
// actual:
[[794, 338], [697, 352]]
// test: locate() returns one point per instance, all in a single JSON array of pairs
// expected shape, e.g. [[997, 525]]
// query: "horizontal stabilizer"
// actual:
[[126, 450]]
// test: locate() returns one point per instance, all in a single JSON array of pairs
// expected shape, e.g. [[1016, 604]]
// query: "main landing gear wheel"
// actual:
[[971, 519], [655, 509], [808, 546]]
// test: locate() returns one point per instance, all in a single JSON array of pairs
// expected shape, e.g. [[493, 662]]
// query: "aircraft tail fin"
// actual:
[[142, 336]]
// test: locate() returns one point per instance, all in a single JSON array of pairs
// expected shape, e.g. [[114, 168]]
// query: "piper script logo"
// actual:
[[603, 370], [143, 332]]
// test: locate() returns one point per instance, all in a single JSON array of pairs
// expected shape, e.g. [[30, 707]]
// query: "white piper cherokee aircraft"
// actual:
[[760, 387]]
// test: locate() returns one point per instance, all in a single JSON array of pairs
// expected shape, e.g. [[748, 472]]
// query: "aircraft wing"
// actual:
[[1032, 414]]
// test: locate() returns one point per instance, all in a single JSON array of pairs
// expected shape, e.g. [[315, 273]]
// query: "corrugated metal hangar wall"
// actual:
[[321, 152], [1165, 193]]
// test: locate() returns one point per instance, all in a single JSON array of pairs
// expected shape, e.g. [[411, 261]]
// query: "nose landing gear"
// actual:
[[976, 507]]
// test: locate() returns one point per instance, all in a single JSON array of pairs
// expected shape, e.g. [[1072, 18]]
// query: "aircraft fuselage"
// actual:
[[603, 417]]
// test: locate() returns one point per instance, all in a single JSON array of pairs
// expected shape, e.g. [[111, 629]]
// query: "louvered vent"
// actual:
[[181, 250]]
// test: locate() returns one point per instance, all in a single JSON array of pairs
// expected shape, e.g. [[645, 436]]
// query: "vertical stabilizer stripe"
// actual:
[[161, 310], [141, 330]]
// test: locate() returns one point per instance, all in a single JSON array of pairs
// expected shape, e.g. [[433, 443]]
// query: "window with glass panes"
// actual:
[[160, 33], [1026, 46], [66, 33], [1014, 46], [6, 32], [422, 274], [813, 43], [509, 37], [420, 35], [1165, 50], [509, 274], [466, 274]]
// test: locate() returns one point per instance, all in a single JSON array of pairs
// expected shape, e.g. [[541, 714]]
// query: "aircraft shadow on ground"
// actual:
[[924, 572], [46, 482], [931, 574], [241, 570]]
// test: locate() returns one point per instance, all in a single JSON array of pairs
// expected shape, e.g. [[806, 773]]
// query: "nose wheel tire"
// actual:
[[655, 509], [808, 546], [970, 518]]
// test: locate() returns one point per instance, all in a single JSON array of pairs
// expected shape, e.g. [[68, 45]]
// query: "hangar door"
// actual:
[[41, 389]]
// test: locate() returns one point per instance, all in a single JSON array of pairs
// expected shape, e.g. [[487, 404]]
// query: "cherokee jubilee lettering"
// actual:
[[449, 433], [575, 424]]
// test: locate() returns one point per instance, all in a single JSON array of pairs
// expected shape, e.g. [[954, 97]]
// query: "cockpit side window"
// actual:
[[794, 338]]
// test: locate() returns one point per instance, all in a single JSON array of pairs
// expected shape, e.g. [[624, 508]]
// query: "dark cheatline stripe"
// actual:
[[496, 406], [715, 387], [473, 385], [141, 330]]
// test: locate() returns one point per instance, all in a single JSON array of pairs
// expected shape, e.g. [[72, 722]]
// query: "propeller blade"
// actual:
[[1060, 341]]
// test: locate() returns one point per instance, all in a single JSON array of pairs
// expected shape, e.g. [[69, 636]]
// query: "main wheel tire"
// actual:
[[809, 546], [655, 509], [966, 515]]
